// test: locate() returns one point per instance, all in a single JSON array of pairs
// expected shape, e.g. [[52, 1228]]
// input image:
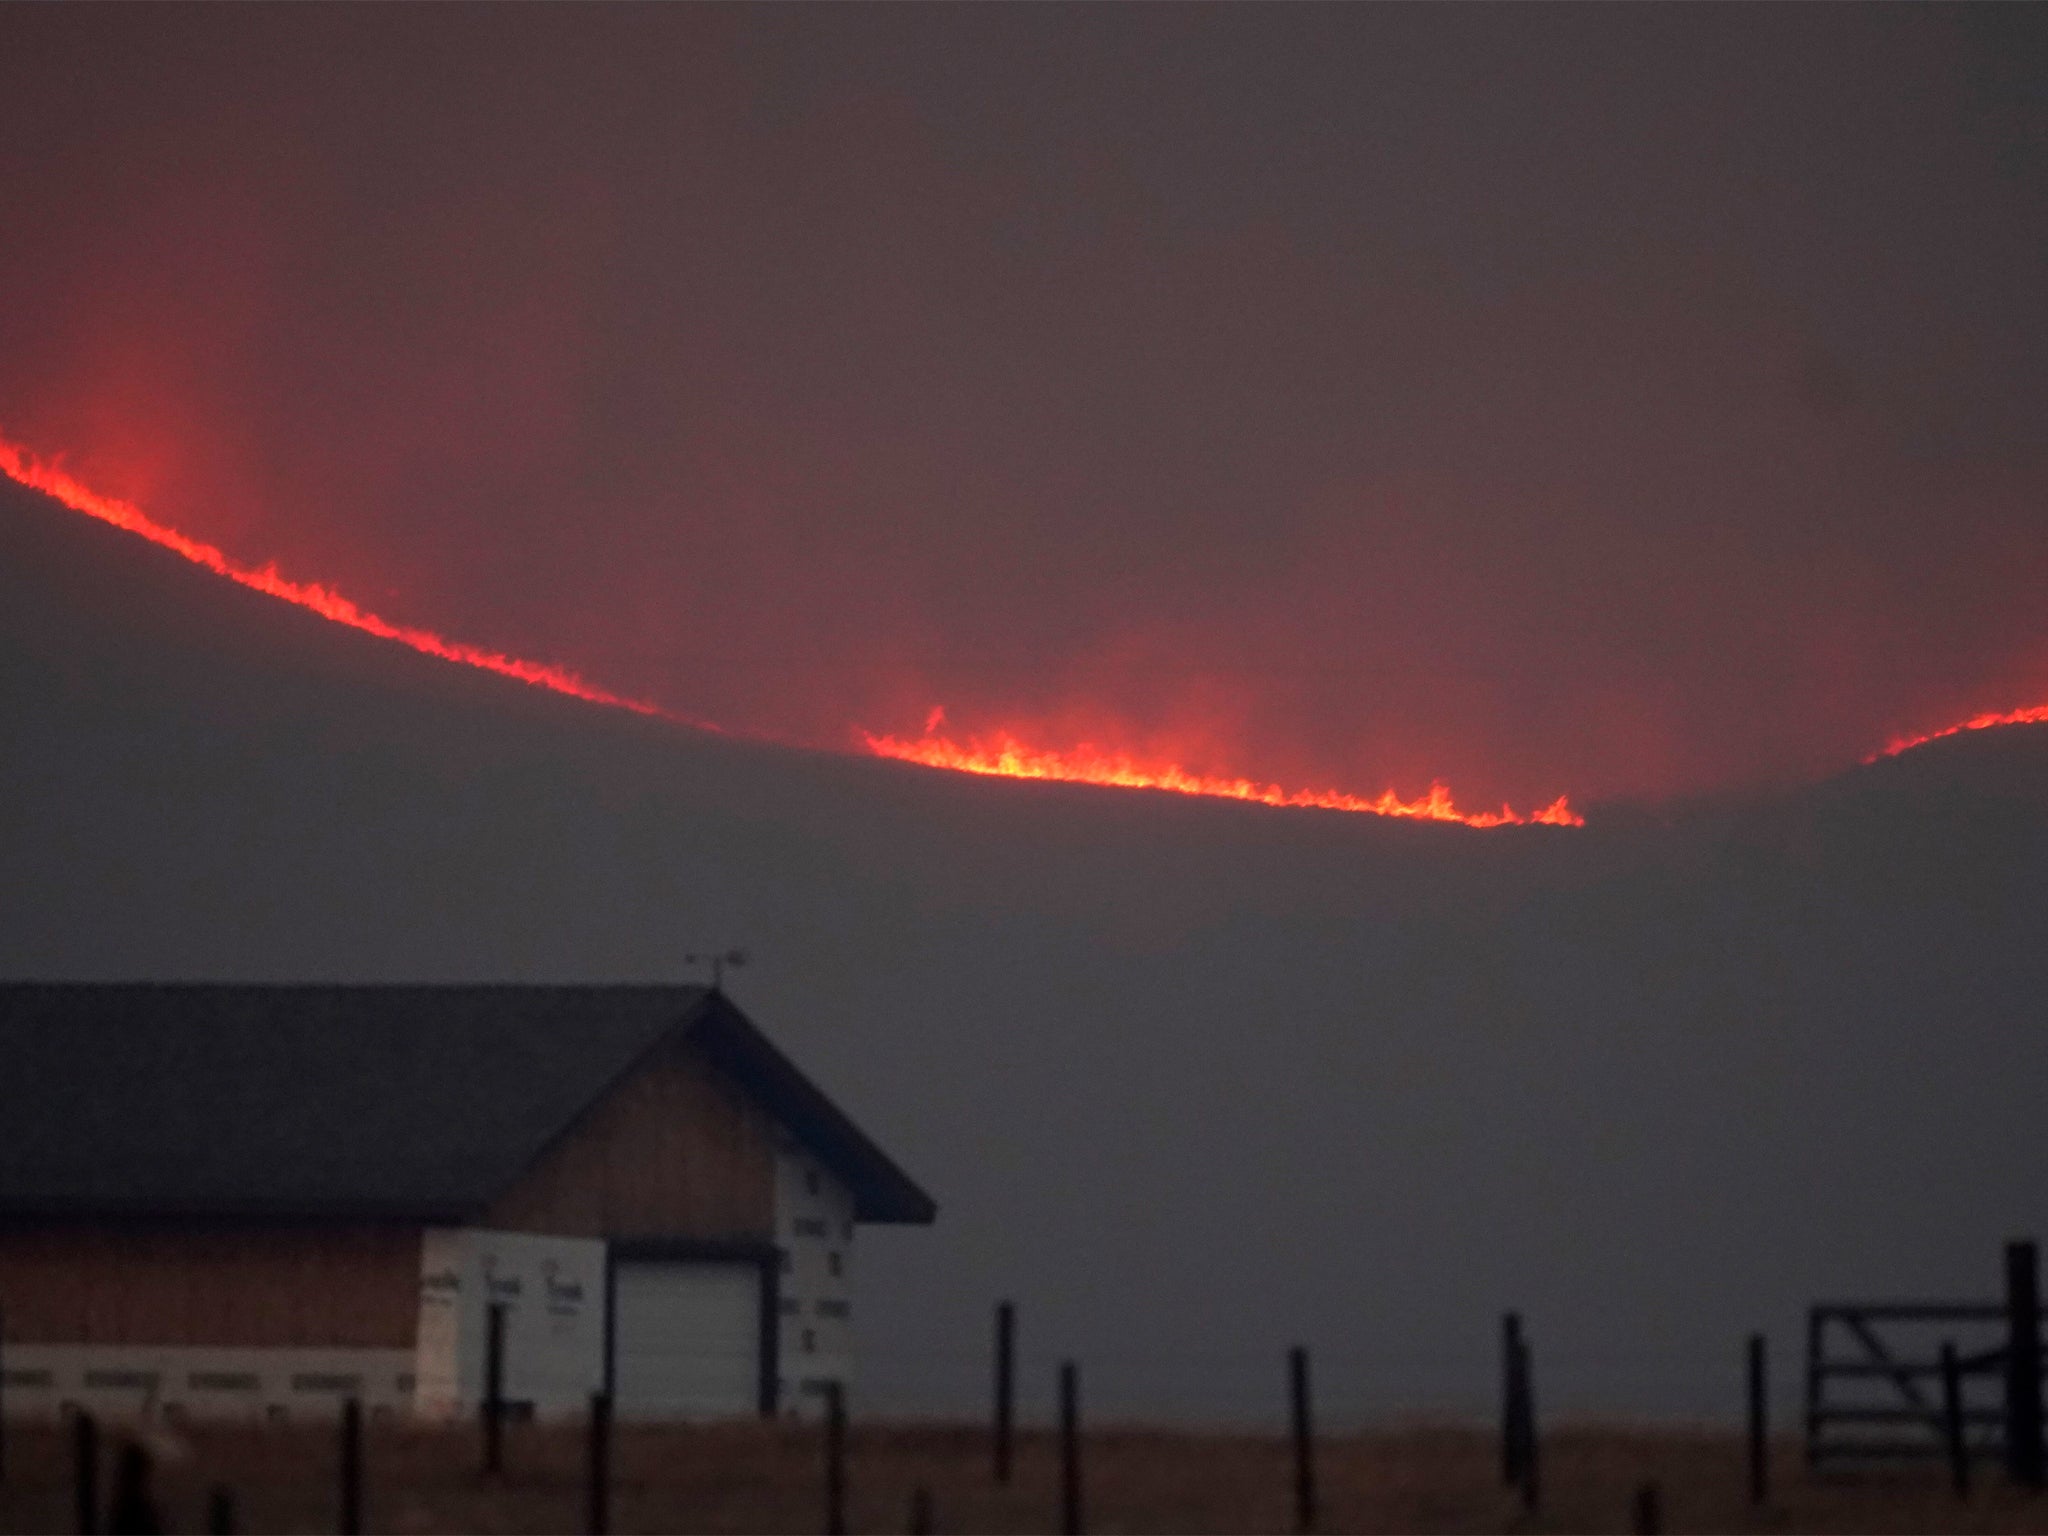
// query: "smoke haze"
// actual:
[[1191, 1080]]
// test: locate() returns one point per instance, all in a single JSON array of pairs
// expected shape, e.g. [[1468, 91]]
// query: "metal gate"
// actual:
[[1897, 1380], [1876, 1386]]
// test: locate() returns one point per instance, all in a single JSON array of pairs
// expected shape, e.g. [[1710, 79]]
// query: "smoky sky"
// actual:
[[1618, 402]]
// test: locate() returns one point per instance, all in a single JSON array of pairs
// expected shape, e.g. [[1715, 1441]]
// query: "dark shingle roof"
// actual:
[[379, 1102]]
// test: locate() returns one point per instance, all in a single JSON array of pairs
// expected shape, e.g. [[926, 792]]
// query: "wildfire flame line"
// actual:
[[1000, 754], [19, 464], [2032, 715], [1004, 755]]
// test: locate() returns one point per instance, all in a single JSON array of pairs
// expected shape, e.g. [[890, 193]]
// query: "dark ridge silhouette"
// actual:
[[1191, 1081]]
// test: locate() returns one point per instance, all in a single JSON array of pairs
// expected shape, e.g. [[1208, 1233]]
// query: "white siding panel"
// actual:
[[688, 1340], [552, 1290], [814, 1226], [140, 1382]]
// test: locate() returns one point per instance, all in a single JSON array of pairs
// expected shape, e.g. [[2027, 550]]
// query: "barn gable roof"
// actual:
[[355, 1102]]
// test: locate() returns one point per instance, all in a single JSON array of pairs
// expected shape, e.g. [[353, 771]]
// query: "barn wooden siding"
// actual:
[[674, 1151], [313, 1286]]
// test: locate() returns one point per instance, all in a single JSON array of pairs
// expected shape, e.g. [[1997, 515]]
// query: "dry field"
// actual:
[[753, 1477]]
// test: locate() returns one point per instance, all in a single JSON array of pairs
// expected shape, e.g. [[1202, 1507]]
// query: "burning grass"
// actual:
[[754, 1477]]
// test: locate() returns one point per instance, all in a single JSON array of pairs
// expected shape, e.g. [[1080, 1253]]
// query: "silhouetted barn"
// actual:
[[248, 1199]]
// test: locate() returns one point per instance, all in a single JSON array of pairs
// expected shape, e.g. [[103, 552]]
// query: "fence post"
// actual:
[[1759, 1423], [2023, 1364], [1511, 1398], [1070, 1449], [920, 1511], [1006, 1385], [1815, 1321], [1952, 1420], [494, 1388], [85, 1473], [220, 1511], [1304, 1439], [835, 1459], [598, 1508], [131, 1510], [351, 1468], [1532, 1460], [1647, 1518]]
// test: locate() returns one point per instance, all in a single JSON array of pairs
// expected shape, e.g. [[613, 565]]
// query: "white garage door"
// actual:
[[687, 1340]]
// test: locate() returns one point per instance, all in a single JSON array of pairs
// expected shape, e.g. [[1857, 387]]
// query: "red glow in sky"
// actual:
[[1374, 415]]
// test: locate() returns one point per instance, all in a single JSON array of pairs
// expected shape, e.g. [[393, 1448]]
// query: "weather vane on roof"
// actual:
[[718, 961]]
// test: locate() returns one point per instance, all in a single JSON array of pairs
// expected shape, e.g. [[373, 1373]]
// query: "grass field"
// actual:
[[756, 1477]]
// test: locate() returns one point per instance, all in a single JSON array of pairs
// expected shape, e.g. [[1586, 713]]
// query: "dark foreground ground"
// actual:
[[770, 1478]]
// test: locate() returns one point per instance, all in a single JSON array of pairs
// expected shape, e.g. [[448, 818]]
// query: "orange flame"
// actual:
[[1004, 755], [19, 464], [2032, 715]]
